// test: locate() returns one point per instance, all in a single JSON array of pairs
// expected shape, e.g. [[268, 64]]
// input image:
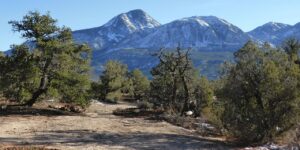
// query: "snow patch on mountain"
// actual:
[[198, 32], [116, 30]]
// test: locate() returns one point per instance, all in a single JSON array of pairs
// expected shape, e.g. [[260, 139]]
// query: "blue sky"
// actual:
[[80, 14]]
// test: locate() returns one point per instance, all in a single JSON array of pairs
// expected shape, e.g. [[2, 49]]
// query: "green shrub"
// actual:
[[261, 95], [114, 97]]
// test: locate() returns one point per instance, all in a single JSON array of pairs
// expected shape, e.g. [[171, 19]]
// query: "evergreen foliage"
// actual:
[[204, 96], [55, 63], [113, 80], [140, 84], [261, 94], [18, 74]]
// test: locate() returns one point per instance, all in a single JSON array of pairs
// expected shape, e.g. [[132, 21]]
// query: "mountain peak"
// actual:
[[271, 32], [206, 20], [136, 12], [275, 25], [215, 20], [116, 29], [271, 27], [135, 20], [194, 19], [272, 23]]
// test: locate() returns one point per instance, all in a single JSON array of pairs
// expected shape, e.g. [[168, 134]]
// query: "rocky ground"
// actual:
[[98, 128]]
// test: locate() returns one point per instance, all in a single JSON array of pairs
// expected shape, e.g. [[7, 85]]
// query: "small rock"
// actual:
[[189, 113]]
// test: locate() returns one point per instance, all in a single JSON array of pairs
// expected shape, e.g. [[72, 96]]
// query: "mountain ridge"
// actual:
[[137, 29], [132, 36], [200, 32]]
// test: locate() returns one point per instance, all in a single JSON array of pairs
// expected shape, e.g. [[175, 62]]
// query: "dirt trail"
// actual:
[[98, 129]]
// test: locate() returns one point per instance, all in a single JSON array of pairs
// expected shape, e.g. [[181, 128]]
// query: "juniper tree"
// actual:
[[18, 77], [58, 63], [113, 80], [175, 81], [204, 96], [140, 84], [261, 94]]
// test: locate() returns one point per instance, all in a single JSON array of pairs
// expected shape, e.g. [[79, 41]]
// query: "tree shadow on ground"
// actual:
[[136, 112], [23, 110], [135, 140]]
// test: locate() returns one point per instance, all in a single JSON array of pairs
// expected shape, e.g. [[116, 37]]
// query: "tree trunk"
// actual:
[[41, 90], [187, 96], [35, 96], [174, 91]]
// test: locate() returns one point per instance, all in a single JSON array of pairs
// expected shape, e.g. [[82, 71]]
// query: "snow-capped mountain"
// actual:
[[133, 36], [200, 33], [275, 33], [116, 29], [270, 32]]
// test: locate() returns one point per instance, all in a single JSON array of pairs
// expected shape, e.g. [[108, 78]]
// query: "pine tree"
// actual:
[[58, 63]]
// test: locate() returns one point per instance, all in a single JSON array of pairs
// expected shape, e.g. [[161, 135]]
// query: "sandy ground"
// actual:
[[98, 128]]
